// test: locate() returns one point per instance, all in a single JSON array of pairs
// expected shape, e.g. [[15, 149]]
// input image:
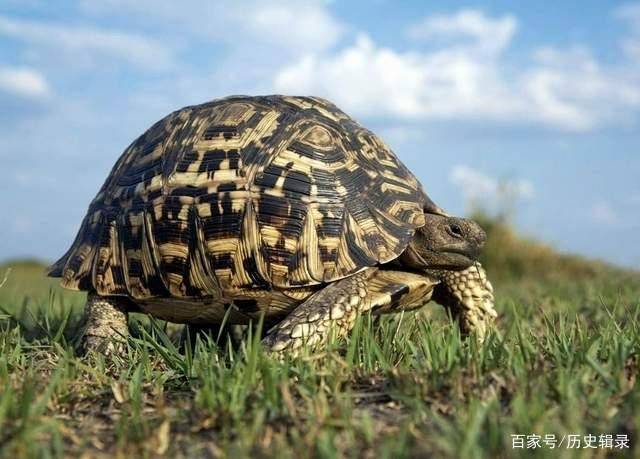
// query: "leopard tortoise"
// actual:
[[277, 206]]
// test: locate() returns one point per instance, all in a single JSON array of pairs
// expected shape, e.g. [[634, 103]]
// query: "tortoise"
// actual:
[[277, 207]]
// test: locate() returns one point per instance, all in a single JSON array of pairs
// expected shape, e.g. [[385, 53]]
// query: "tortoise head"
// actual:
[[444, 242]]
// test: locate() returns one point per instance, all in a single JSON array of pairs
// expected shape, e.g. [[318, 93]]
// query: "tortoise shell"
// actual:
[[240, 193]]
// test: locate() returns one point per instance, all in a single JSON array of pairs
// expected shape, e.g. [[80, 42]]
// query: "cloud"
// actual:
[[23, 82], [570, 88], [468, 27], [292, 27], [464, 75], [479, 188], [375, 81], [295, 25], [92, 43], [630, 14], [603, 213]]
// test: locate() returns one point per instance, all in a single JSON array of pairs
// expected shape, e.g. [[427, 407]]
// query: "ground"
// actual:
[[563, 361]]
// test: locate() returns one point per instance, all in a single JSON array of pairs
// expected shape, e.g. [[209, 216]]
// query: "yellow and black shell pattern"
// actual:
[[245, 193]]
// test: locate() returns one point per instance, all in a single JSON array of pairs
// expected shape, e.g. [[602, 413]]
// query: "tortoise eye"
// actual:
[[455, 230]]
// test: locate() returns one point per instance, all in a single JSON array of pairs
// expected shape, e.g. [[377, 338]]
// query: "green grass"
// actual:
[[563, 360]]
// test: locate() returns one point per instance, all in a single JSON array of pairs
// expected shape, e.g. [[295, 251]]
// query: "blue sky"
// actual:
[[540, 99]]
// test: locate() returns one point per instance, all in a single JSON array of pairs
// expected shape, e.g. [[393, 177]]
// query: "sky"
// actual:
[[531, 107]]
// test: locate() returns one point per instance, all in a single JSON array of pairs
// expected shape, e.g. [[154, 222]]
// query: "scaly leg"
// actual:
[[469, 295], [332, 309], [336, 306], [106, 324]]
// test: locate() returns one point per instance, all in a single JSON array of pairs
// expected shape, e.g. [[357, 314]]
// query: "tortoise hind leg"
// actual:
[[106, 324]]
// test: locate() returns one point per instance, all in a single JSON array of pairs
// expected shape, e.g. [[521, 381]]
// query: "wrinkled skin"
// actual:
[[444, 243]]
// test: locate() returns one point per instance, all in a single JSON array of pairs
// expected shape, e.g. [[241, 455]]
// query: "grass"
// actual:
[[563, 360]]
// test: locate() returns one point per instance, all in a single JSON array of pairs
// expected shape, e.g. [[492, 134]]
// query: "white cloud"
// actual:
[[468, 79], [630, 14], [478, 187], [397, 135], [91, 42], [374, 81], [603, 213], [572, 89], [632, 48], [470, 27], [23, 82], [293, 27], [298, 25]]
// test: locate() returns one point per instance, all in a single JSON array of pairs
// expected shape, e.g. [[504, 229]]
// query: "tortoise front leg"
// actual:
[[337, 306], [332, 309], [469, 296], [106, 324]]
